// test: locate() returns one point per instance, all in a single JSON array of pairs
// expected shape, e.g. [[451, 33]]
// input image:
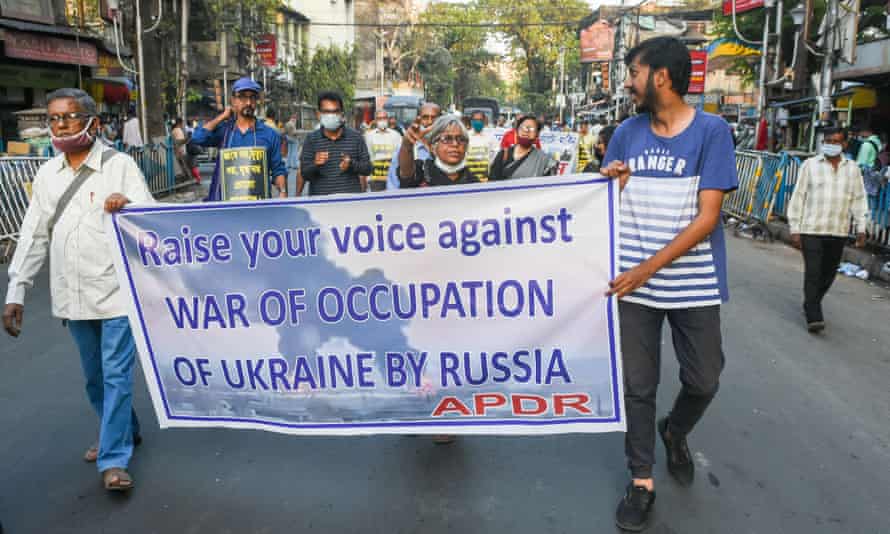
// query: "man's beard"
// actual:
[[247, 113], [649, 101]]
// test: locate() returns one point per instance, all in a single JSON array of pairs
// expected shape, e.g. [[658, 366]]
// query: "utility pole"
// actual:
[[826, 78], [764, 53], [801, 71], [184, 58], [620, 74], [140, 66]]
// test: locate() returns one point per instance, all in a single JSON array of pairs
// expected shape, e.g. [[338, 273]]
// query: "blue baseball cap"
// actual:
[[246, 84]]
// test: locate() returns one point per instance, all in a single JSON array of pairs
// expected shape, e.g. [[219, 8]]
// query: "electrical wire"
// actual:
[[157, 18], [117, 49]]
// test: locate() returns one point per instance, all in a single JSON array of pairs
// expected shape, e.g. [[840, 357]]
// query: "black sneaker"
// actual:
[[814, 327], [633, 510], [680, 464]]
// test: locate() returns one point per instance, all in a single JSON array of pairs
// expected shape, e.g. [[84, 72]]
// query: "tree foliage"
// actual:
[[330, 68], [537, 48], [453, 59]]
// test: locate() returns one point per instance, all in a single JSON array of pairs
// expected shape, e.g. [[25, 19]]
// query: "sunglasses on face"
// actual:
[[246, 97]]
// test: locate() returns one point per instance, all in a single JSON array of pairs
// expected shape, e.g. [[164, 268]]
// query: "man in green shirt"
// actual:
[[869, 149]]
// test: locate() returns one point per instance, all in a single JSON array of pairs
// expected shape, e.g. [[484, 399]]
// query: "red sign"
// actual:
[[699, 71], [267, 49], [740, 6], [45, 48], [597, 42]]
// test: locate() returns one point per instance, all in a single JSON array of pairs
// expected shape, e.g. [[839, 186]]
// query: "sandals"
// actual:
[[116, 479], [92, 453]]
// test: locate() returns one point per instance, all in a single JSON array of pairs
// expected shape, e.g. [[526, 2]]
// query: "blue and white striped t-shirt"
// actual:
[[661, 200]]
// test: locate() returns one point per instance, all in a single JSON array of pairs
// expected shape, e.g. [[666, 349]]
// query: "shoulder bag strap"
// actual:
[[82, 175]]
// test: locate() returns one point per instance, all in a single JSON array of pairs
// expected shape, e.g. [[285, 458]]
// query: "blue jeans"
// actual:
[[107, 353]]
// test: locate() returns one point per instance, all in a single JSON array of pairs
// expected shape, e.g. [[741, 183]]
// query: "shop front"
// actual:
[[33, 64]]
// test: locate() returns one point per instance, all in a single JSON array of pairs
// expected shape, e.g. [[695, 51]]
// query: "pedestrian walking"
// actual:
[[335, 156], [523, 160], [426, 116], [828, 193], [237, 128], [291, 136], [675, 164], [183, 165], [65, 218], [132, 136], [600, 147]]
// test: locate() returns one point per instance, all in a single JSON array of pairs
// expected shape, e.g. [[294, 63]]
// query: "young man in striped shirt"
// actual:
[[674, 164], [829, 192]]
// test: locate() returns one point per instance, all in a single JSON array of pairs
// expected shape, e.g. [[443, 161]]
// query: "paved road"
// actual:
[[798, 441]]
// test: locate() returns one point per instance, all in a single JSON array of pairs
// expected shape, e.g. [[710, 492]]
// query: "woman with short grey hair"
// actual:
[[447, 139]]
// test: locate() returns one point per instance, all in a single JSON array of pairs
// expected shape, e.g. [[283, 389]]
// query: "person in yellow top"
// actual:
[[482, 147], [382, 141]]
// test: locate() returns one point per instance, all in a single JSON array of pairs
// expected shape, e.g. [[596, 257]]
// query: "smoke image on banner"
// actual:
[[475, 309]]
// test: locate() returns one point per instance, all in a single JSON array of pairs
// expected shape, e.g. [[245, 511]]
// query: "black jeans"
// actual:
[[821, 256], [697, 342]]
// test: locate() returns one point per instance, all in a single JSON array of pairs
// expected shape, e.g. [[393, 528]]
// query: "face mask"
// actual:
[[477, 125], [525, 142], [450, 169], [331, 121], [74, 143], [382, 125], [831, 150]]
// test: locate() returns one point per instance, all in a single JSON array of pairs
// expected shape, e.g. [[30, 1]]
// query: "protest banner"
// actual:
[[244, 174], [382, 312], [563, 147]]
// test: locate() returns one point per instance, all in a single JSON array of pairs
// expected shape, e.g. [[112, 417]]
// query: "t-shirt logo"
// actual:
[[657, 159]]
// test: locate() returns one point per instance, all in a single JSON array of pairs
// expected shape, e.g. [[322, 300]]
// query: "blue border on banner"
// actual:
[[616, 405]]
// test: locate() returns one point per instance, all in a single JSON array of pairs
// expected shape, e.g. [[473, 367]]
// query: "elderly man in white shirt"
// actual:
[[65, 217], [829, 192]]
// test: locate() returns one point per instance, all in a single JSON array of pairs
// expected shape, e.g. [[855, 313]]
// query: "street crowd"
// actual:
[[673, 164]]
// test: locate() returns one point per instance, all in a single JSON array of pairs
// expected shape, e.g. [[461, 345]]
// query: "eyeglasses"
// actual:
[[74, 116], [453, 140], [251, 97], [528, 129]]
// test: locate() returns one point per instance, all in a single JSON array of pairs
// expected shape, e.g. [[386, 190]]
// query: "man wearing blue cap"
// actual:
[[244, 143]]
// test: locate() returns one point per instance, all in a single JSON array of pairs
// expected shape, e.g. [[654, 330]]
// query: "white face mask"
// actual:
[[382, 125], [450, 169], [831, 150], [331, 121]]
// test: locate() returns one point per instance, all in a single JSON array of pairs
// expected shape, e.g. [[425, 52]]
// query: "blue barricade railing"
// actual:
[[767, 181]]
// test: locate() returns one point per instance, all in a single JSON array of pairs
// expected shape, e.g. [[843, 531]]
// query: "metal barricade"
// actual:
[[156, 163], [766, 184], [16, 177]]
